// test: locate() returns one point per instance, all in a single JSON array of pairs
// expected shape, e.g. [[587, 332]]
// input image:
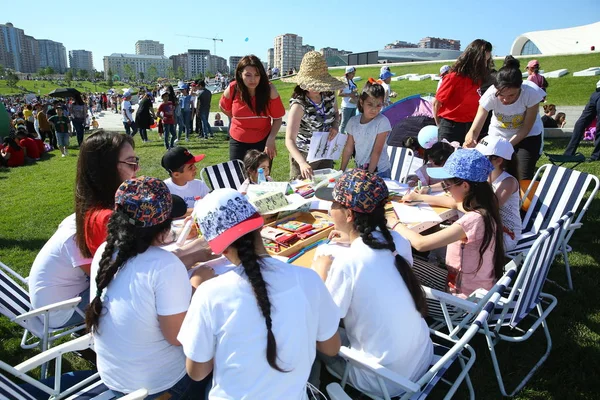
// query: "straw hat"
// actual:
[[313, 74]]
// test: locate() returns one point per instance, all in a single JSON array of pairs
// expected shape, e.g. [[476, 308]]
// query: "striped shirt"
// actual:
[[316, 118]]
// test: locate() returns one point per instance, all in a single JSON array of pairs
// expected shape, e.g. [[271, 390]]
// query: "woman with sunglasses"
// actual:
[[105, 161], [475, 248], [515, 106]]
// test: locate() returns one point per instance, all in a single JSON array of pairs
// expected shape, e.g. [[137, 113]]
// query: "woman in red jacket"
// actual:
[[11, 154], [254, 108], [457, 100]]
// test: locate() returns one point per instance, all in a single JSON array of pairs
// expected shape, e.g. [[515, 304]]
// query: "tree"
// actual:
[[152, 73], [42, 72], [2, 70], [180, 74], [109, 81], [170, 73], [11, 79], [128, 71], [69, 77], [49, 71], [98, 75], [83, 73], [141, 74]]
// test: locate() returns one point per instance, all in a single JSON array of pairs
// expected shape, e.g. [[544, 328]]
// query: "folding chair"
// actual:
[[525, 300], [444, 357], [560, 190], [90, 387], [401, 159], [229, 174], [560, 159], [15, 304]]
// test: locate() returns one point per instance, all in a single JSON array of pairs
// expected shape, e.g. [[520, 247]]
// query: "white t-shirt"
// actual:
[[189, 191], [379, 313], [508, 119], [55, 274], [126, 108], [388, 92], [364, 140], [225, 323], [132, 351], [349, 88]]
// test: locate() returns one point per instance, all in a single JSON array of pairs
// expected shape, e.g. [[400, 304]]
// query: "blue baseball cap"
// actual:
[[385, 74], [467, 164]]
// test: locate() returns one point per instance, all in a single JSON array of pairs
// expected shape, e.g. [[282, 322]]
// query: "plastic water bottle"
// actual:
[[261, 176]]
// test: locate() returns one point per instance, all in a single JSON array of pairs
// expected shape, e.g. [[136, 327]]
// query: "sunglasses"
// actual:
[[135, 164], [447, 187]]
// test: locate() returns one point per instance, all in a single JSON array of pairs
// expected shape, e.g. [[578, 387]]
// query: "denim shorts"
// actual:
[[62, 139]]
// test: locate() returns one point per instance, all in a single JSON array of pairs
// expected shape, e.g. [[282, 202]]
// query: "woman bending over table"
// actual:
[[475, 249], [372, 275], [258, 325], [141, 295]]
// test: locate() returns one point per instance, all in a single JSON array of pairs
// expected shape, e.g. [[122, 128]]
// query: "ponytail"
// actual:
[[365, 224], [509, 75], [252, 266], [129, 241]]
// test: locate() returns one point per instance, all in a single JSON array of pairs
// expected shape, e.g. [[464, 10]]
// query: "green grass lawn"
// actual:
[[46, 87], [37, 197]]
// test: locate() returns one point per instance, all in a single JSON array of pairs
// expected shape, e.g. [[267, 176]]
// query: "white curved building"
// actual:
[[580, 39]]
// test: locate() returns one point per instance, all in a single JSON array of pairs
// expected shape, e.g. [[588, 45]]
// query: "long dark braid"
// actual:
[[129, 241], [366, 224], [252, 265]]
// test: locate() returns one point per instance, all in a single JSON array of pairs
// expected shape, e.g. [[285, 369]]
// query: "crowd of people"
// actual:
[[262, 329]]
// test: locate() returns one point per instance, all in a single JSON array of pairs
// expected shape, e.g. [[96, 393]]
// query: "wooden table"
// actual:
[[445, 214]]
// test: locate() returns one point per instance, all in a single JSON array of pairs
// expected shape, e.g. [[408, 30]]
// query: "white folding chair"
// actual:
[[524, 301], [90, 387], [15, 304], [453, 349], [560, 190], [401, 159], [229, 174]]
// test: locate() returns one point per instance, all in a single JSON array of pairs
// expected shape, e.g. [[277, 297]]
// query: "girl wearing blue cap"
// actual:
[[475, 249]]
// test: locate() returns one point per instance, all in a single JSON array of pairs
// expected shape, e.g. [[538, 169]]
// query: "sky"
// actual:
[[114, 27]]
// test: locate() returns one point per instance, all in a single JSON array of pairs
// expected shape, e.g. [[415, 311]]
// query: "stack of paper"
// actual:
[[414, 214]]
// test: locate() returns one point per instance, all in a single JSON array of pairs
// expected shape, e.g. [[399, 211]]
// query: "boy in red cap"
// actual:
[[181, 166]]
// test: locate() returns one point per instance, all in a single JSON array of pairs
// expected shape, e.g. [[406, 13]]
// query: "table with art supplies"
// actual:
[[297, 223]]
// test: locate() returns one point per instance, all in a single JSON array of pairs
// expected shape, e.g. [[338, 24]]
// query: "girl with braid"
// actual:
[[142, 293], [379, 297], [260, 324]]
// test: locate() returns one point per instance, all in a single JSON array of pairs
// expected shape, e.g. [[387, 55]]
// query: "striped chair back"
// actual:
[[532, 276], [560, 190], [11, 391], [401, 159], [229, 174], [14, 300]]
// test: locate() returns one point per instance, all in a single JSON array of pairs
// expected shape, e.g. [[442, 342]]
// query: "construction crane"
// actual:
[[215, 40]]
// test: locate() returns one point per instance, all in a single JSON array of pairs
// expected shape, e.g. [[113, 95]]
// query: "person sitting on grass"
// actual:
[[254, 160], [140, 295], [181, 166], [259, 325], [12, 155], [475, 246], [374, 274], [218, 120], [32, 150]]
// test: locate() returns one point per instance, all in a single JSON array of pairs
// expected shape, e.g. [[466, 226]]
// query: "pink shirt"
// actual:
[[463, 256]]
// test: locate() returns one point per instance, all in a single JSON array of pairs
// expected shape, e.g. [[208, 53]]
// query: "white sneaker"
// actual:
[[176, 141], [63, 155]]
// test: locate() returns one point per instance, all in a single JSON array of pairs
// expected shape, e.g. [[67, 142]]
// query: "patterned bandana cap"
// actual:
[[147, 201], [467, 164], [224, 216], [360, 190]]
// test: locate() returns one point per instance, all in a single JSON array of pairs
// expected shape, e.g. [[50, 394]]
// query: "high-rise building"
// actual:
[[332, 52], [149, 48], [233, 62], [12, 46], [116, 63], [400, 44], [270, 58], [53, 54], [437, 43], [217, 64], [30, 56], [288, 52], [180, 61], [198, 62], [81, 60]]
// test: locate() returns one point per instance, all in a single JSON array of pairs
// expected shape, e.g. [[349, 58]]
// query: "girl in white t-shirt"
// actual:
[[367, 133], [380, 298], [515, 105], [258, 325], [140, 296]]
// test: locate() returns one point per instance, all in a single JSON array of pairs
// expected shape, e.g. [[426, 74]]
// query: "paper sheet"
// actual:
[[320, 205], [322, 149], [332, 249], [413, 214], [395, 186]]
